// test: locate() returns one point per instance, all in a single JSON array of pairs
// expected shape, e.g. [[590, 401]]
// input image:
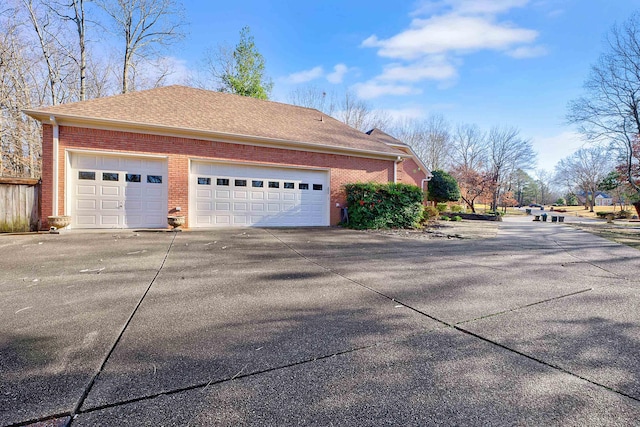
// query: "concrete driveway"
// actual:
[[539, 326]]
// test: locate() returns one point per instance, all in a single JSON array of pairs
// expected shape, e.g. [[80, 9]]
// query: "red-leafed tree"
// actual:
[[473, 185]]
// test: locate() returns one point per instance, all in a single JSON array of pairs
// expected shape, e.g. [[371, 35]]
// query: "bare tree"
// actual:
[[53, 46], [314, 97], [358, 114], [468, 147], [584, 170], [543, 178], [507, 152], [147, 27], [20, 147], [610, 110], [74, 11], [430, 138]]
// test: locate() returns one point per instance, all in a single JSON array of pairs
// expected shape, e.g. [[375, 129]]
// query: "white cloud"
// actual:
[[306, 75], [439, 35], [523, 52], [450, 33], [373, 89], [339, 71], [433, 68]]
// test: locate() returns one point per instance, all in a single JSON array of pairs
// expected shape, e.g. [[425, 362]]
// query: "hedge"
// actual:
[[373, 206]]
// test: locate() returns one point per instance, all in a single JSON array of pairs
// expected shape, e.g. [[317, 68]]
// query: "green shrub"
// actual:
[[602, 214], [441, 207], [429, 213], [496, 213], [445, 218], [456, 218], [456, 209], [373, 206]]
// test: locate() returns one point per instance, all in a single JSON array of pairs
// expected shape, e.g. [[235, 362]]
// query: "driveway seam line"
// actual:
[[550, 365], [589, 262], [235, 377], [89, 387], [524, 306], [464, 331]]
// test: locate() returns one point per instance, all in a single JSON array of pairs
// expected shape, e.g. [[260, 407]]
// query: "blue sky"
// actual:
[[488, 62]]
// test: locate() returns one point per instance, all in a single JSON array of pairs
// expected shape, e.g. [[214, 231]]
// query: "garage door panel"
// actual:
[[240, 220], [273, 197], [223, 219], [135, 205], [86, 204], [203, 219], [133, 192], [110, 219], [86, 189], [109, 204], [111, 191], [205, 194], [86, 219]]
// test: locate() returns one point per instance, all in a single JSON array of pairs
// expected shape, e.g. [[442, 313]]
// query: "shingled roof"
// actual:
[[385, 137], [181, 108]]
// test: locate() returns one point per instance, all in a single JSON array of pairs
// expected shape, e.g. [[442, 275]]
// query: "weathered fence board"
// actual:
[[19, 209]]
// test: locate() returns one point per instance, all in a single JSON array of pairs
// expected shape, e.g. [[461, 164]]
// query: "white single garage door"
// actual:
[[223, 195], [117, 191]]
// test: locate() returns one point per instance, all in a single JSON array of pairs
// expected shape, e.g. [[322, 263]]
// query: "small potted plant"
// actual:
[[59, 221], [176, 221]]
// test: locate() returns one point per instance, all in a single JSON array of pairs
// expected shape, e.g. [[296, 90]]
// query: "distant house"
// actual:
[[601, 198]]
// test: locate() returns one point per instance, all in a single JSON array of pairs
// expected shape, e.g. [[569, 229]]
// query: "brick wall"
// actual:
[[344, 169]]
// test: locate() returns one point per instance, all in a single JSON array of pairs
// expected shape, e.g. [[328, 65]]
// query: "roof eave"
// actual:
[[72, 120]]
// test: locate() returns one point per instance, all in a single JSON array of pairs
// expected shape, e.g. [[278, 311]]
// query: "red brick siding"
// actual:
[[343, 169], [409, 172]]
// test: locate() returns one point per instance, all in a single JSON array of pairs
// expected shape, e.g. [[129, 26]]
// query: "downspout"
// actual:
[[56, 136], [427, 179], [395, 169]]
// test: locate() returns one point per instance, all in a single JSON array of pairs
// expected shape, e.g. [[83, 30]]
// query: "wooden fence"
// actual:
[[19, 204]]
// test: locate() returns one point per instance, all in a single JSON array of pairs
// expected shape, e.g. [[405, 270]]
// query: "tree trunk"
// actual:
[[637, 206]]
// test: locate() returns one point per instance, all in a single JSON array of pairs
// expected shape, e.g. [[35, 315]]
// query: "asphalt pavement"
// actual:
[[319, 326]]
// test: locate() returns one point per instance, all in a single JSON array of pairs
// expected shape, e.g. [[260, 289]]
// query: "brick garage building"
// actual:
[[128, 161]]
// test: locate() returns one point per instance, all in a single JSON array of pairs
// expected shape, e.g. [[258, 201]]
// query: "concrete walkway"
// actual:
[[539, 326]]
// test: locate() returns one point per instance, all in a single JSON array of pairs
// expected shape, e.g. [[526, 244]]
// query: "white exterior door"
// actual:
[[224, 195], [110, 191]]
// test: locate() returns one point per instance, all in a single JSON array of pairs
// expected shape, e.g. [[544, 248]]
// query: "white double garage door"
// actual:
[[111, 191]]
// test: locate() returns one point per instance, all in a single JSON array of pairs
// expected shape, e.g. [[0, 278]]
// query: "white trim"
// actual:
[[67, 177], [265, 165], [115, 153]]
